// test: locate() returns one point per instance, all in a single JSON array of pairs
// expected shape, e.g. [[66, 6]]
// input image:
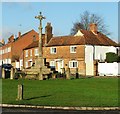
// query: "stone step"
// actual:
[[45, 71]]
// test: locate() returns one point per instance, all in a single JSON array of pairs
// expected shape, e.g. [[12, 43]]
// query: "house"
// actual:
[[81, 51], [13, 50]]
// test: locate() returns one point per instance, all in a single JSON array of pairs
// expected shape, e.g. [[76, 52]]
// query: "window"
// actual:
[[3, 51], [9, 61], [53, 50], [73, 64], [73, 49], [26, 53], [21, 62], [6, 50], [9, 49], [0, 52], [31, 52], [52, 64], [36, 52], [26, 64]]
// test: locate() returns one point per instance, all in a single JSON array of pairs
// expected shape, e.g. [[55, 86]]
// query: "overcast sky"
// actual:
[[19, 16]]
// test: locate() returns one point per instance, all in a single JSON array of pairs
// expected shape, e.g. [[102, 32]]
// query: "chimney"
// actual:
[[48, 33], [11, 39], [19, 34], [2, 41], [93, 28]]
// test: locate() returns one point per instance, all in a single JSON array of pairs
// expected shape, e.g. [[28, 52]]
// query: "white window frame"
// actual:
[[73, 50], [52, 51], [26, 53], [72, 66], [26, 64], [3, 51], [9, 61], [9, 49], [0, 52], [36, 52], [52, 63]]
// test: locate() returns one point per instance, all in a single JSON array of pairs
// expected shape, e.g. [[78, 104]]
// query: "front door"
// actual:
[[60, 65]]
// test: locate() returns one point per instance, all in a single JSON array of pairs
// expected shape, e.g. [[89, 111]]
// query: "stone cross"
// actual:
[[40, 17]]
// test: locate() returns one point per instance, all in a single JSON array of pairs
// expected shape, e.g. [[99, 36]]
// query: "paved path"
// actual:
[[54, 111]]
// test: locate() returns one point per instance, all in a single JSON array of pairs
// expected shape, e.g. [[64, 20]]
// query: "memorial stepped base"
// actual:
[[33, 72]]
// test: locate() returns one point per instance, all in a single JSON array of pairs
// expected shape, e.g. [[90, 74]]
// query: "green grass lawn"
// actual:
[[76, 92]]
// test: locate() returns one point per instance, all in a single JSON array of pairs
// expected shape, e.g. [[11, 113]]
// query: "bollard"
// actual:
[[77, 75], [67, 73], [3, 73], [20, 92], [12, 73]]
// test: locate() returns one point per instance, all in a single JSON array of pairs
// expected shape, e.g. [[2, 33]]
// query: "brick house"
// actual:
[[81, 51], [13, 50]]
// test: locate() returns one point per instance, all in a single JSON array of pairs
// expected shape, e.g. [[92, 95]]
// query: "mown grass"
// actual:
[[77, 92]]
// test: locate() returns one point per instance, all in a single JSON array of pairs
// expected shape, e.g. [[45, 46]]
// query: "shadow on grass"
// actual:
[[38, 97]]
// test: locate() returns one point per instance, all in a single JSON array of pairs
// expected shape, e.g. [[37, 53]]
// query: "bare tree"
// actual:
[[85, 19]]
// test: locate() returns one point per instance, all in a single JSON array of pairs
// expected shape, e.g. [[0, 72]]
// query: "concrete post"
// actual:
[[67, 73], [3, 73], [12, 73], [20, 92]]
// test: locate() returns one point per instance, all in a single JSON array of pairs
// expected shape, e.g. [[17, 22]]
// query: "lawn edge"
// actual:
[[58, 107]]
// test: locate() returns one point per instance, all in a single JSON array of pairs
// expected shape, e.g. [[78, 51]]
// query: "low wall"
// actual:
[[109, 69]]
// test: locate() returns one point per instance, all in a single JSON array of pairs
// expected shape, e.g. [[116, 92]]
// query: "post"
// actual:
[[20, 92], [12, 73], [67, 72], [77, 75], [3, 73]]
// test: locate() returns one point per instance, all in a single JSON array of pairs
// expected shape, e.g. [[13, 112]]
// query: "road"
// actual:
[[50, 111]]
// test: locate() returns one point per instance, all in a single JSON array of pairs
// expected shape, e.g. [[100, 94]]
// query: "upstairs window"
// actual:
[[26, 53], [53, 50], [73, 49], [73, 64], [9, 49], [36, 52]]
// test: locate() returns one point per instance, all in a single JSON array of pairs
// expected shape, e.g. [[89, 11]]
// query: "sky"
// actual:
[[20, 16]]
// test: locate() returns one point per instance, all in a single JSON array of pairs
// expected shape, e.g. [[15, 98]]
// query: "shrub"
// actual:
[[112, 57]]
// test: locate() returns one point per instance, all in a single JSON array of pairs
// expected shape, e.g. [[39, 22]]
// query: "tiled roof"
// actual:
[[88, 38], [35, 43]]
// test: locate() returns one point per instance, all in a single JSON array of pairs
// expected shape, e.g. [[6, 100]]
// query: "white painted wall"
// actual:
[[109, 69], [21, 64], [17, 64], [100, 51], [89, 60]]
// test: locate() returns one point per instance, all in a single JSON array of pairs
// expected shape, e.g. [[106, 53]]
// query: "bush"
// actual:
[[112, 57]]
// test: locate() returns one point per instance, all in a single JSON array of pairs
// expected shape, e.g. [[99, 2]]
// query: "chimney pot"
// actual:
[[93, 28], [19, 34]]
